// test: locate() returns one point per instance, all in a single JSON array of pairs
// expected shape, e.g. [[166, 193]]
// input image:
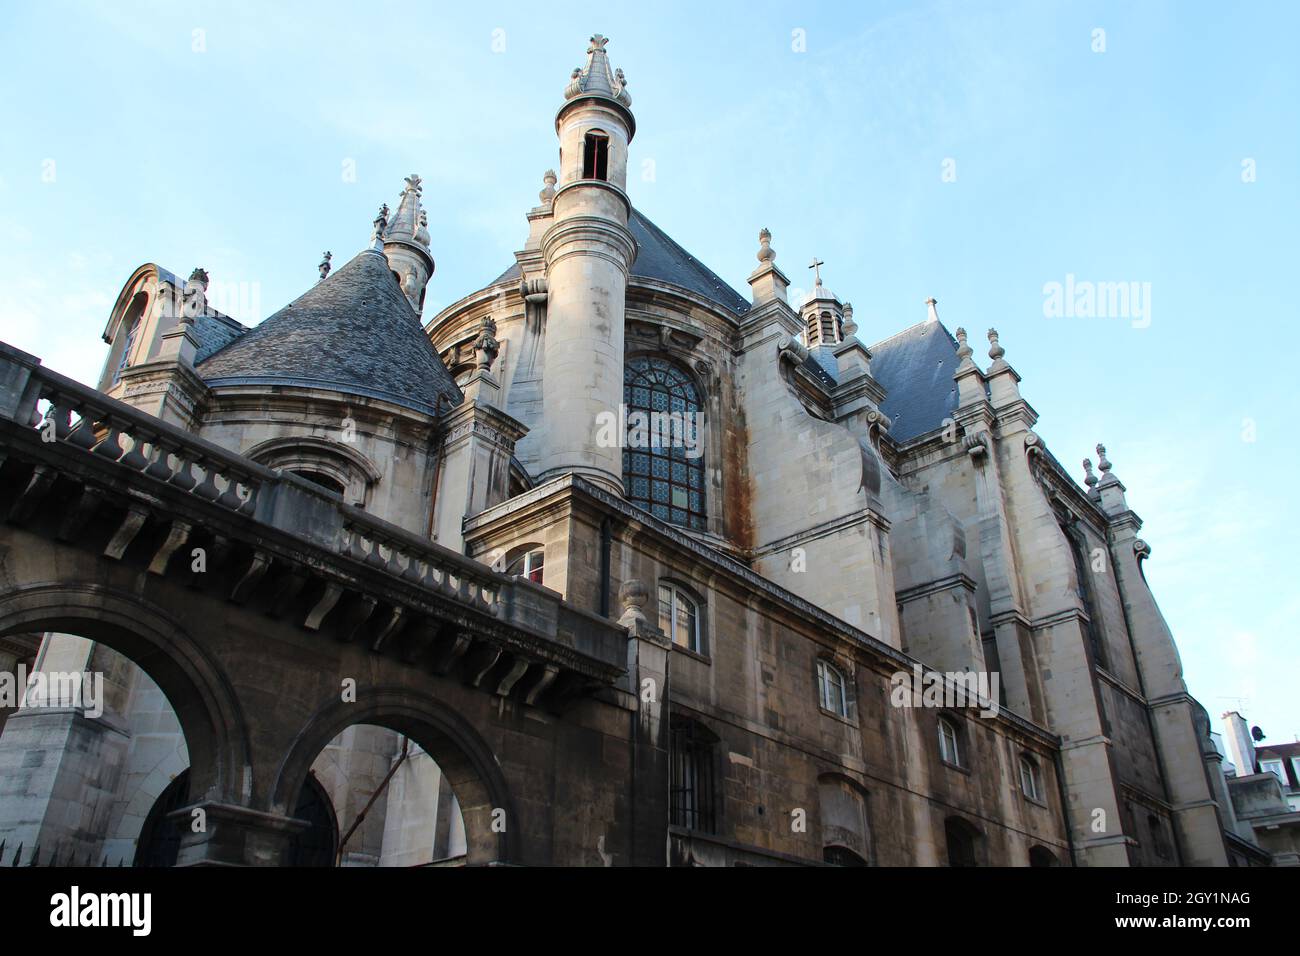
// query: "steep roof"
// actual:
[[916, 368], [352, 332], [661, 259]]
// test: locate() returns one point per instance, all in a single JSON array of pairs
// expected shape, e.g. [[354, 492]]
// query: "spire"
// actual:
[[324, 266], [405, 241], [409, 218], [931, 313], [596, 78]]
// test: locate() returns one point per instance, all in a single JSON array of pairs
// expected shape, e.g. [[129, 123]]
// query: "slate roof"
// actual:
[[215, 331], [352, 332], [663, 260], [916, 368]]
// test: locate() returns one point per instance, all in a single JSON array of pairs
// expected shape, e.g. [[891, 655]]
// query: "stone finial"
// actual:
[[547, 195], [1090, 480], [1102, 462], [324, 266], [850, 327], [766, 253], [380, 227], [633, 594], [964, 351], [486, 345], [194, 296], [931, 313], [996, 351], [596, 78]]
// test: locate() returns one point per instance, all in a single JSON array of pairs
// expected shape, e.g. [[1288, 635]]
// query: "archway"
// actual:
[[148, 701], [1042, 856], [463, 758], [205, 704]]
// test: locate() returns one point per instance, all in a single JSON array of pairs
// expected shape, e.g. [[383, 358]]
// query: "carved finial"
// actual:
[[633, 595], [1091, 479], [964, 351], [486, 345], [547, 195], [195, 295], [765, 251], [850, 327], [413, 182], [996, 351], [1102, 461], [380, 227], [325, 264], [597, 43]]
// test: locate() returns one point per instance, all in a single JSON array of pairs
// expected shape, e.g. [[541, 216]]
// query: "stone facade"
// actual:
[[847, 518]]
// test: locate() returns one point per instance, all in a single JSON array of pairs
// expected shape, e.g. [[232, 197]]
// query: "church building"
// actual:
[[865, 615]]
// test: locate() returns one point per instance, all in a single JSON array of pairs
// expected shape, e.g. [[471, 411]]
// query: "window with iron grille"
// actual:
[[595, 156], [665, 478], [691, 787]]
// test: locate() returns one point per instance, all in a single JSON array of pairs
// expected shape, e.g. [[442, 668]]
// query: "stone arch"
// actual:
[[467, 762], [336, 461], [194, 683]]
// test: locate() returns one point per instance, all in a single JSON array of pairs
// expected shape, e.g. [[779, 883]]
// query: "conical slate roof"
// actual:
[[352, 332]]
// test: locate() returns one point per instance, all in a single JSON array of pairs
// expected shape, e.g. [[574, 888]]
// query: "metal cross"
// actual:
[[816, 267]]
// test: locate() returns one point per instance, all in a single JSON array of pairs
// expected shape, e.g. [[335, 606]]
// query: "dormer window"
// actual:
[[595, 156]]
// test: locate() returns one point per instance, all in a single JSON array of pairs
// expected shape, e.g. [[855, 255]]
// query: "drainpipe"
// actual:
[[1065, 806]]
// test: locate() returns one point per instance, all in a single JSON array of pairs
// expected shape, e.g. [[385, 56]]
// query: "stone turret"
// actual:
[[588, 250], [823, 321], [405, 239]]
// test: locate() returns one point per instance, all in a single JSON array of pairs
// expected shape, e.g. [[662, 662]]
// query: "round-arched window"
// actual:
[[663, 459]]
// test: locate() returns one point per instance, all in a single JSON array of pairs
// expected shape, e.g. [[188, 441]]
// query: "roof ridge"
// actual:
[[914, 325]]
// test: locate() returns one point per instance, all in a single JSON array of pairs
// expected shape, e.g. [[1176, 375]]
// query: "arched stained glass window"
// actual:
[[663, 461]]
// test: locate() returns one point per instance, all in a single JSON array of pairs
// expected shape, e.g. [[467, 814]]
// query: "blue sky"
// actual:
[[1125, 165]]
